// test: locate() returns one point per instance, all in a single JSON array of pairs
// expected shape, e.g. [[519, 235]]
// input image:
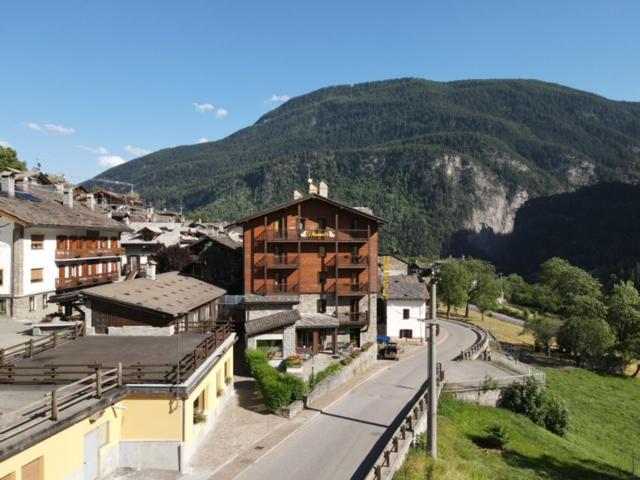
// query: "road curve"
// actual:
[[346, 438]]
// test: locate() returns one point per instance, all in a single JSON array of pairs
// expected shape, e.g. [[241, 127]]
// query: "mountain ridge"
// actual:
[[433, 158]]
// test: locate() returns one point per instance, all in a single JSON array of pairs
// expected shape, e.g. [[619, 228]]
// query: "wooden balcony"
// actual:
[[356, 289], [355, 319], [86, 280], [74, 253], [353, 261], [281, 289], [279, 261], [313, 235]]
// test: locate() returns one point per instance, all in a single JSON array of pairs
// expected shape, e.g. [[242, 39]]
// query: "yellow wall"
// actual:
[[64, 452], [147, 417], [210, 387]]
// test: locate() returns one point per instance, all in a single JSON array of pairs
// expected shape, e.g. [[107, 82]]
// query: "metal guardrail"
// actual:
[[480, 345]]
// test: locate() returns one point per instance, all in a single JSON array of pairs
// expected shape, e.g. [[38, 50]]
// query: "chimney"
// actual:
[[323, 189], [150, 270], [9, 184], [297, 194], [68, 198], [91, 201], [313, 188], [60, 188]]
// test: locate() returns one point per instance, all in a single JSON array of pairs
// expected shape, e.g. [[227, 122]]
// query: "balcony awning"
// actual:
[[317, 320]]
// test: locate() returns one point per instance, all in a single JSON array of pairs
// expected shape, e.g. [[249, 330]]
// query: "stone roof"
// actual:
[[406, 287], [226, 240], [271, 322], [317, 320], [167, 233], [44, 208], [170, 293]]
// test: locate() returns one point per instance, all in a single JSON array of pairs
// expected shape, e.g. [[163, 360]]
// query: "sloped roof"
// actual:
[[167, 233], [311, 196], [271, 322], [45, 208], [317, 320], [170, 293], [406, 287]]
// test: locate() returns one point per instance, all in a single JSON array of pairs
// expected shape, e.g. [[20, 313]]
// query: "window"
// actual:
[[33, 470], [406, 313], [273, 348], [37, 242], [301, 224], [1, 277], [3, 306], [36, 275], [32, 304], [198, 403], [322, 305], [406, 333], [322, 224], [322, 251], [45, 300]]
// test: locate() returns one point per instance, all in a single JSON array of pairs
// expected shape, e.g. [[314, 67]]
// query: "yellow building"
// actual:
[[136, 416]]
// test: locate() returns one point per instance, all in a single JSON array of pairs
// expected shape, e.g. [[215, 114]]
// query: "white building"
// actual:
[[48, 244], [406, 307]]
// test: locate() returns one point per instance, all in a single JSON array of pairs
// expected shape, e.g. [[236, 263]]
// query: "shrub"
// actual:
[[296, 385], [356, 353], [220, 392], [366, 346], [489, 383], [346, 361], [255, 358], [533, 401], [276, 393], [228, 380], [327, 372], [199, 417], [497, 437]]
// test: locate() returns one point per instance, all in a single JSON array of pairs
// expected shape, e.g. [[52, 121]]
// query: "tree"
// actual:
[[172, 258], [566, 282], [544, 329], [9, 159], [452, 285], [517, 291], [486, 294], [586, 338], [624, 318], [480, 282]]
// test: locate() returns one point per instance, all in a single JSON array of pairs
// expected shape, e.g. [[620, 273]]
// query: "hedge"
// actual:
[[277, 389]]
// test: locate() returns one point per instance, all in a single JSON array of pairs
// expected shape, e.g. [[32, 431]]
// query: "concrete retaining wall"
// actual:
[[360, 364]]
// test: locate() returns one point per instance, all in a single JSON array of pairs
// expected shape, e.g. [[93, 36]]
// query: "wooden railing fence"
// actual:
[[31, 347]]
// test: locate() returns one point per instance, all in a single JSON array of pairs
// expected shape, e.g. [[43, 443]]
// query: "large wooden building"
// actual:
[[318, 256]]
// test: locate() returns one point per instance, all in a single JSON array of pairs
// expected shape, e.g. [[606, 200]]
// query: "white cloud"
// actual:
[[110, 160], [137, 151], [203, 107], [51, 128], [221, 112], [278, 98], [7, 144], [203, 140], [58, 129], [95, 150]]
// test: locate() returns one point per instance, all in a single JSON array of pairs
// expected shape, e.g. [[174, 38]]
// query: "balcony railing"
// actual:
[[86, 280], [279, 261], [355, 261], [353, 288], [72, 253], [361, 318], [281, 289], [313, 235]]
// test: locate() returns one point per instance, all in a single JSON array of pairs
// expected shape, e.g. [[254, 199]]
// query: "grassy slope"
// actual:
[[604, 429], [503, 331]]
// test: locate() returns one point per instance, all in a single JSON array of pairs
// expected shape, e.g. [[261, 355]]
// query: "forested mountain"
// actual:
[[432, 158]]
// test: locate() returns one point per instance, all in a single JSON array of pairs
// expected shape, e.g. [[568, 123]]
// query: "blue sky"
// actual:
[[86, 84]]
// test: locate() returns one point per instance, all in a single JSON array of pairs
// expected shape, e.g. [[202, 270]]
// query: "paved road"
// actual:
[[344, 441]]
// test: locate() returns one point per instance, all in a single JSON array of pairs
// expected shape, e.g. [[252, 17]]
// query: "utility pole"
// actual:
[[432, 444]]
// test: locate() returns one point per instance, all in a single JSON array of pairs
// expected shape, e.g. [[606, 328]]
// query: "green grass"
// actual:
[[604, 430]]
